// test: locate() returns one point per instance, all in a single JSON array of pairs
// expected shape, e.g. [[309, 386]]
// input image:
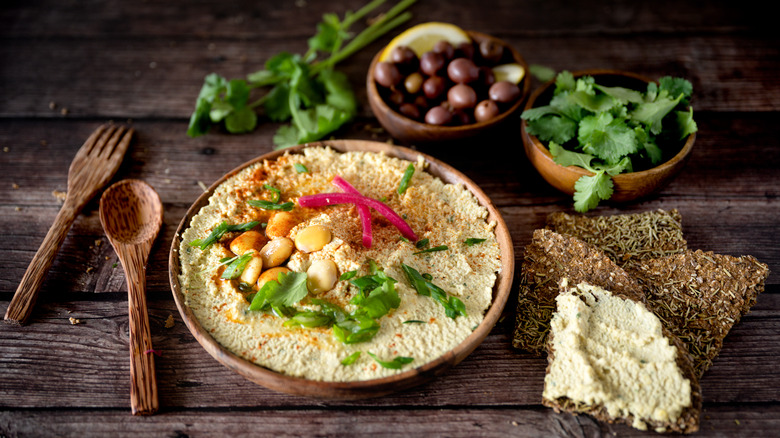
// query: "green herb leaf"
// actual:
[[453, 306], [347, 275], [357, 329], [434, 249], [277, 195], [288, 289], [300, 168], [414, 321], [236, 266], [308, 319], [406, 179], [422, 243], [268, 205], [394, 364], [352, 358], [219, 231], [471, 241]]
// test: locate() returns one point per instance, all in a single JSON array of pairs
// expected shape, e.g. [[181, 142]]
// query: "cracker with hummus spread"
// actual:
[[339, 267], [610, 357]]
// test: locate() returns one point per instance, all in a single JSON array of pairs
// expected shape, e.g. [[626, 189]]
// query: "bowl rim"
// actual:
[[375, 98], [540, 147], [365, 388]]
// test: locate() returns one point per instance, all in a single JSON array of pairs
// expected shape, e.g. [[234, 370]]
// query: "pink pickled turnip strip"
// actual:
[[323, 199], [365, 213]]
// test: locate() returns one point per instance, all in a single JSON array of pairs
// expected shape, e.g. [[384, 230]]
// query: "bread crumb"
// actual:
[[60, 195], [64, 111], [89, 269], [169, 322], [14, 186], [74, 321]]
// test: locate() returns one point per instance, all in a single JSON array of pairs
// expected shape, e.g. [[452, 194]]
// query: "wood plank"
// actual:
[[91, 357], [754, 421]]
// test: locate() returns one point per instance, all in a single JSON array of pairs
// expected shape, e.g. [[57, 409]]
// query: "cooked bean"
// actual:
[[252, 270], [321, 276], [270, 274], [248, 241], [313, 238], [275, 252], [280, 224]]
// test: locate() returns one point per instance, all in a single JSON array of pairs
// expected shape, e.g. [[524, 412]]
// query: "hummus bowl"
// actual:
[[215, 331]]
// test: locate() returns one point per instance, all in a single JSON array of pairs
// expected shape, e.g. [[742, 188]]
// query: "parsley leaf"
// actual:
[[288, 289], [453, 306], [394, 364], [352, 358], [301, 168], [235, 266], [471, 241]]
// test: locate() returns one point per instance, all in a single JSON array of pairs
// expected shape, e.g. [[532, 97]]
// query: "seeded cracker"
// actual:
[[700, 296], [548, 258], [625, 238]]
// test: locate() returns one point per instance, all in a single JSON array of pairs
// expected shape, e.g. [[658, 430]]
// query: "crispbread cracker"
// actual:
[[687, 422], [548, 258], [700, 296], [626, 238]]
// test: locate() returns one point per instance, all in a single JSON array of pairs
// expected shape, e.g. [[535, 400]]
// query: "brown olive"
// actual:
[[461, 117], [431, 63], [486, 76], [486, 110], [504, 92], [413, 83], [445, 49], [464, 50], [405, 59], [461, 96], [387, 74], [491, 50], [433, 87], [462, 71], [410, 110], [421, 102], [396, 98], [438, 115]]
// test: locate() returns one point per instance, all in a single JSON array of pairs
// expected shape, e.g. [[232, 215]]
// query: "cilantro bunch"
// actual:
[[301, 89], [611, 130]]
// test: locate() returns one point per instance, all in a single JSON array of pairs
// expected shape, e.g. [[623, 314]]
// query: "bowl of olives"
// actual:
[[450, 92]]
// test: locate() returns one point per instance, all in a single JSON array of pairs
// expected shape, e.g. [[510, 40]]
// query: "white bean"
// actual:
[[280, 224], [248, 241], [321, 276], [275, 252], [313, 238], [270, 274], [252, 270]]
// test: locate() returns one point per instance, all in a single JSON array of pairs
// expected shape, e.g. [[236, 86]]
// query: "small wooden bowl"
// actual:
[[366, 388], [627, 186], [411, 131]]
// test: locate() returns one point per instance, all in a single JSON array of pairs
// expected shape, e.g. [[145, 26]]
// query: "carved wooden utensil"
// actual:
[[93, 166], [132, 214]]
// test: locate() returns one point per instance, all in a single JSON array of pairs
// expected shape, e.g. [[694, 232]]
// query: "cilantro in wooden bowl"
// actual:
[[608, 135]]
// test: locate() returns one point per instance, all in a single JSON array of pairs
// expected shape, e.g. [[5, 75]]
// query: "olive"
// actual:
[[438, 115], [413, 83], [431, 63], [433, 87], [410, 110], [462, 71], [485, 110], [421, 102], [491, 50], [461, 96], [445, 49], [486, 76], [462, 118], [396, 98], [405, 59], [464, 50], [387, 74], [504, 92]]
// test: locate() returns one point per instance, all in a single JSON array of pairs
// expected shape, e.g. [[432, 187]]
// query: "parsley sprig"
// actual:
[[453, 306], [302, 89], [611, 130]]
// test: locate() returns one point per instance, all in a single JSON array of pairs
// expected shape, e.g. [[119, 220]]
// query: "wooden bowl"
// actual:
[[367, 388], [627, 186], [411, 131]]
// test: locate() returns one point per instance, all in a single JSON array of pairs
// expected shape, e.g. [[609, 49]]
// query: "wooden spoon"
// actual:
[[132, 214]]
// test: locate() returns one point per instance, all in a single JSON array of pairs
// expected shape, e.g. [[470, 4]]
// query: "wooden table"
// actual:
[[67, 67]]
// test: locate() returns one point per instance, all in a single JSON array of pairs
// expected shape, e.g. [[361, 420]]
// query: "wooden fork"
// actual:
[[93, 166]]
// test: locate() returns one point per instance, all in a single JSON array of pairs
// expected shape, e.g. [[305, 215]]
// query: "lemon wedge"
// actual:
[[513, 73], [422, 37]]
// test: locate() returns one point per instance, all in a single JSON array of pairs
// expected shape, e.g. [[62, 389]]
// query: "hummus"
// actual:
[[418, 328], [610, 351]]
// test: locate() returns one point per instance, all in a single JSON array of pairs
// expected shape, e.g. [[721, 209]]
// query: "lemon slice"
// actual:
[[422, 37], [513, 73]]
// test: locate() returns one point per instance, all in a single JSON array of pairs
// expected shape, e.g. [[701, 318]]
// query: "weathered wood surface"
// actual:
[[67, 67]]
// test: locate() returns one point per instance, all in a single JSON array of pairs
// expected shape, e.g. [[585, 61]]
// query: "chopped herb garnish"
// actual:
[[453, 306], [300, 168], [220, 230], [422, 243], [413, 321], [471, 241], [308, 319], [352, 358], [402, 238], [277, 194], [347, 275], [356, 329], [288, 289], [434, 249], [404, 184], [235, 266], [394, 364], [267, 205]]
